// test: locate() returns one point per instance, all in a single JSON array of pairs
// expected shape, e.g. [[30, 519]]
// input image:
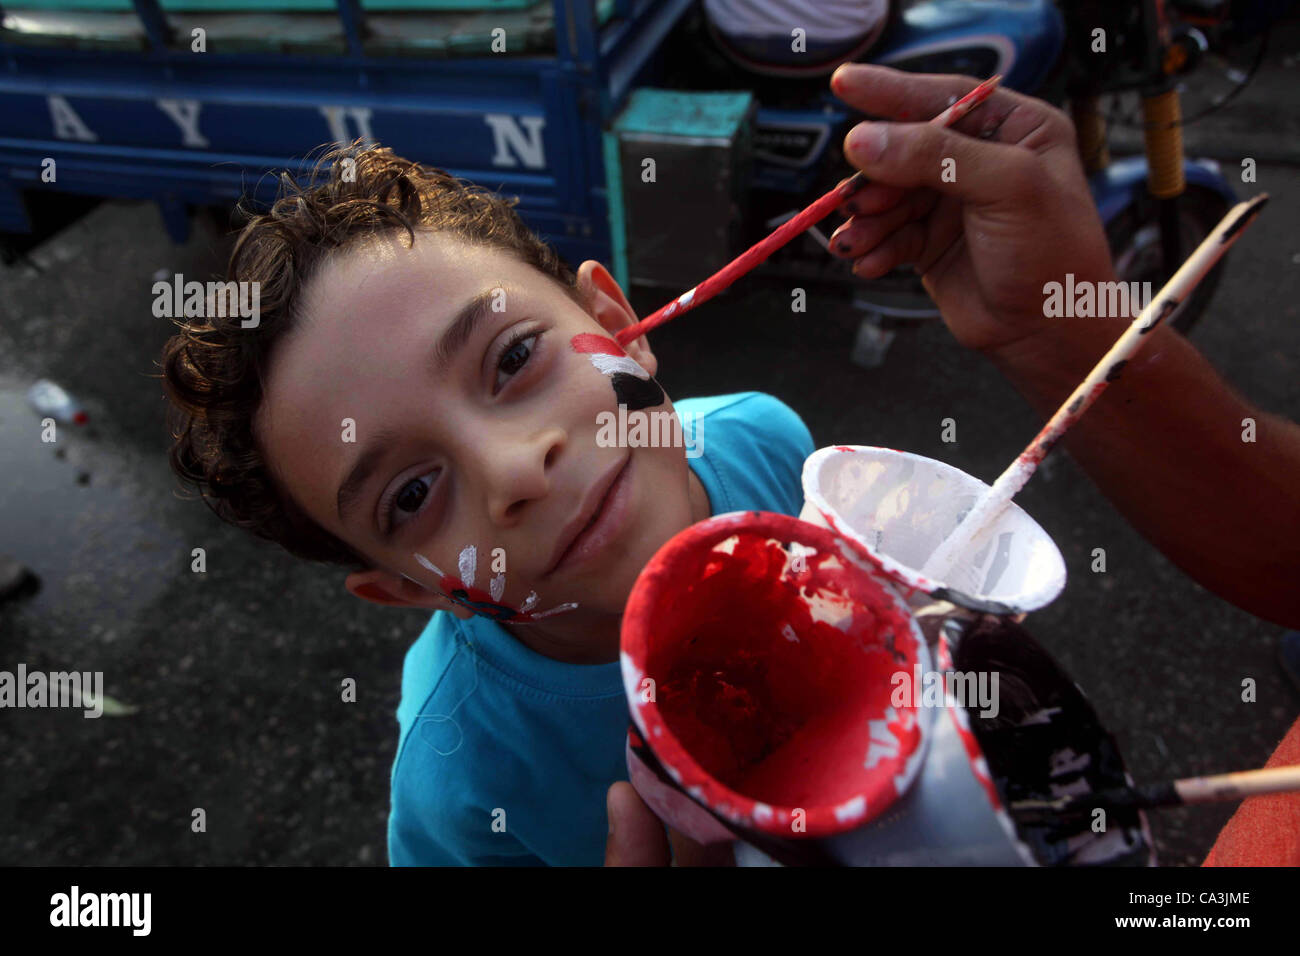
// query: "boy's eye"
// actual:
[[513, 358], [408, 500]]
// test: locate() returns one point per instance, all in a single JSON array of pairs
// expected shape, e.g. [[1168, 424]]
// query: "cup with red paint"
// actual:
[[757, 654], [763, 658], [898, 507]]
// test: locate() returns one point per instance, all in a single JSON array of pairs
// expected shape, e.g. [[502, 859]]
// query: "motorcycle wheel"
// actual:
[[1134, 237]]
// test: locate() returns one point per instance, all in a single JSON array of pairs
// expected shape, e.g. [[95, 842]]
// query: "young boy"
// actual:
[[422, 401]]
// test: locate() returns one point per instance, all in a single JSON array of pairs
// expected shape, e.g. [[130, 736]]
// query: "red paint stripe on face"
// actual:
[[587, 343]]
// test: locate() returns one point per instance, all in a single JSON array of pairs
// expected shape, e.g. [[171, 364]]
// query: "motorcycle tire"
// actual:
[[1134, 237]]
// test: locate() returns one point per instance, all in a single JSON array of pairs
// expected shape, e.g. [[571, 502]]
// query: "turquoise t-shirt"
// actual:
[[493, 732]]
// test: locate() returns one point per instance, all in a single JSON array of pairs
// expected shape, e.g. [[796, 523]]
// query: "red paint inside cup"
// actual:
[[772, 679]]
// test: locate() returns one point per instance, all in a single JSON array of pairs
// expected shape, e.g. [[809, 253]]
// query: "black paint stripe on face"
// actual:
[[636, 393], [1115, 370]]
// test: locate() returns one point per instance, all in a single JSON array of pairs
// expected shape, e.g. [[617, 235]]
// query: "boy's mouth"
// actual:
[[602, 516]]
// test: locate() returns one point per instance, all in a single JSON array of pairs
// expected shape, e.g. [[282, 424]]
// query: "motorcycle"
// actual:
[[1085, 56]]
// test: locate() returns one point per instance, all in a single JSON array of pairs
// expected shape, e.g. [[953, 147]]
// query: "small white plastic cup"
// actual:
[[898, 507]]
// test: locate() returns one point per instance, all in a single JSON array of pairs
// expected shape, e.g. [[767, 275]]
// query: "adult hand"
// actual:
[[1016, 215]]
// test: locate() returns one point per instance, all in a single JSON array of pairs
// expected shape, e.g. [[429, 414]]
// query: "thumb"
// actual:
[[636, 835], [910, 155]]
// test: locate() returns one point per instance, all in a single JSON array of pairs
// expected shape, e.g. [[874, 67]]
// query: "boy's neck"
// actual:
[[598, 643]]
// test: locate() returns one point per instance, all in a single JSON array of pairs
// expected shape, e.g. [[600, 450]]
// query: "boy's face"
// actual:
[[406, 425]]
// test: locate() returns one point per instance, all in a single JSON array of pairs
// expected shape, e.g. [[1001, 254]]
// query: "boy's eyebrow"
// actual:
[[449, 343], [366, 464], [461, 328]]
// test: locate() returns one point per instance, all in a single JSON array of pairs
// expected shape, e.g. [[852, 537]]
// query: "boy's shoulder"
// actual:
[[756, 408], [435, 800], [748, 420], [752, 449]]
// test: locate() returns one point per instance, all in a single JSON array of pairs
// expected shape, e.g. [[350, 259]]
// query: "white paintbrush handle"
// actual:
[[994, 501], [1236, 786]]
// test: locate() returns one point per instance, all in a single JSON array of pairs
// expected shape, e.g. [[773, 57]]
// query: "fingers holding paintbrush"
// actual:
[[757, 254]]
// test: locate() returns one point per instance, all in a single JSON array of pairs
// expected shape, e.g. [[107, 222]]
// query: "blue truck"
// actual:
[[187, 103]]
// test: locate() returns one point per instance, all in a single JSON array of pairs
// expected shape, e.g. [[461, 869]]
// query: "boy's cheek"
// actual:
[[629, 383], [664, 501]]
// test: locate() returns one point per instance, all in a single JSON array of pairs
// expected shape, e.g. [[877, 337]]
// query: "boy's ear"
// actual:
[[393, 590], [607, 304]]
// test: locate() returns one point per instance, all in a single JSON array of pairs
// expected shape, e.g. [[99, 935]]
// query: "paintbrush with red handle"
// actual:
[[1176, 793], [758, 253]]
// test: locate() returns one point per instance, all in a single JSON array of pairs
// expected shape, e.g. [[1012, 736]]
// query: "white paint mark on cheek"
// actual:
[[497, 586], [609, 364], [530, 602], [425, 562], [558, 609], [468, 563]]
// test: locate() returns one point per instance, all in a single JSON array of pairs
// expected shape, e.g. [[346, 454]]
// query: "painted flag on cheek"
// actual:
[[632, 384], [462, 591]]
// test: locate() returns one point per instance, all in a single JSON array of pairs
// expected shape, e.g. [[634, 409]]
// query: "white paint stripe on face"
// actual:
[[425, 562], [556, 610], [468, 563], [497, 586], [529, 602], [609, 364]]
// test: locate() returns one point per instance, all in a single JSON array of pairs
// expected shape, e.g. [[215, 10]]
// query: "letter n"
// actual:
[[338, 116], [507, 135]]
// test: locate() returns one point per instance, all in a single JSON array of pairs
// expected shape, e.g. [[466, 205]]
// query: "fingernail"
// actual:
[[846, 73], [867, 141]]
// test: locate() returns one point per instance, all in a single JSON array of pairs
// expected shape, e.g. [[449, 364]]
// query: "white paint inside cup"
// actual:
[[899, 506]]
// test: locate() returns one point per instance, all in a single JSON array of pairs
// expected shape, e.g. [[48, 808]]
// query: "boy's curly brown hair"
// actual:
[[213, 369]]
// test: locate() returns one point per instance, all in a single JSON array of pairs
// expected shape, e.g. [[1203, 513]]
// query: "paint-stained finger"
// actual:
[[903, 247], [874, 198], [861, 234], [911, 97], [1005, 117]]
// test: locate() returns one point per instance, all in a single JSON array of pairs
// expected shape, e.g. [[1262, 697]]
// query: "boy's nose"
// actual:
[[519, 473]]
